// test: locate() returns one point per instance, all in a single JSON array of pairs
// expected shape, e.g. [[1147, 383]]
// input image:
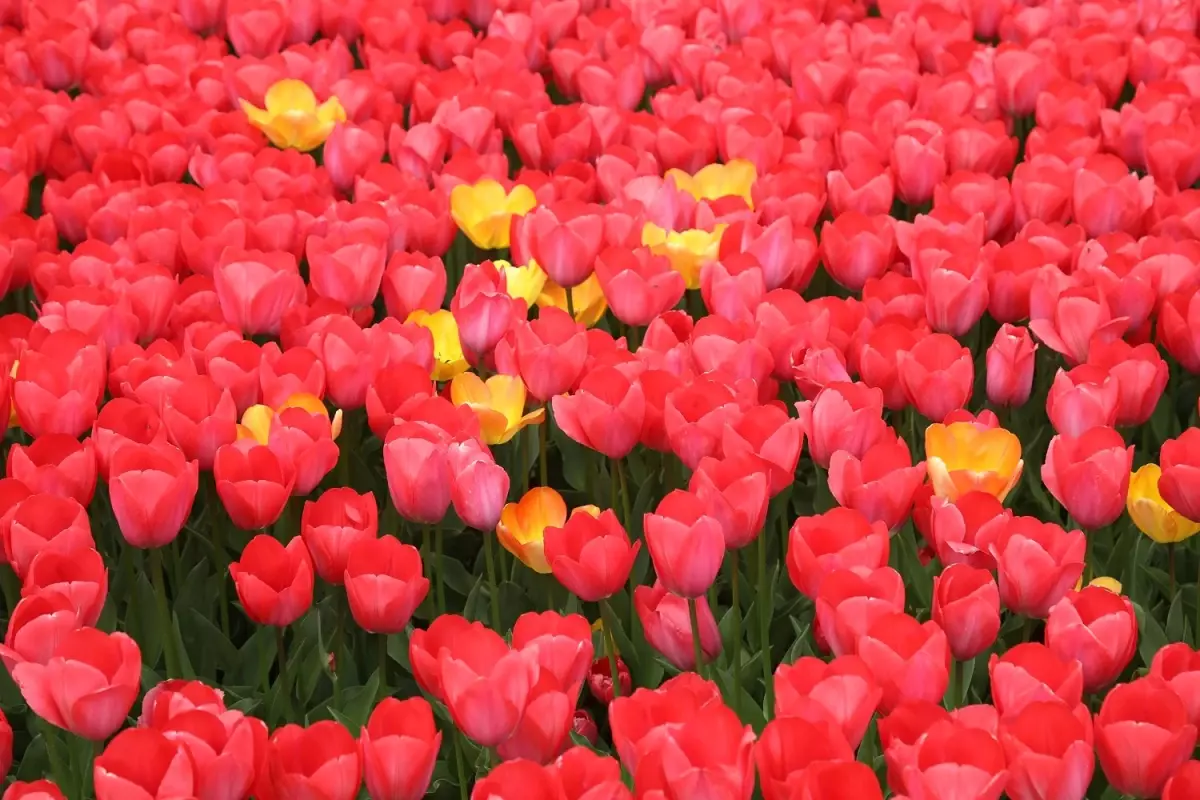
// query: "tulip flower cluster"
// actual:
[[600, 400]]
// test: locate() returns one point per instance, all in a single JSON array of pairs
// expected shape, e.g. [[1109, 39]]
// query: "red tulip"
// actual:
[[855, 247], [518, 780], [770, 434], [840, 779], [842, 692], [413, 282], [88, 685], [878, 353], [550, 353], [790, 749], [58, 385], [274, 583], [1048, 747], [881, 484], [638, 284], [712, 751], [641, 720], [1142, 736], [844, 416], [735, 492], [200, 418], [563, 240], [485, 684], [78, 574], [1067, 318], [256, 287], [1032, 673], [1010, 362], [695, 416], [600, 681], [346, 265], [303, 441], [861, 186], [1107, 197], [33, 790], [176, 696], [144, 763], [1097, 628], [56, 464], [686, 545], [484, 310], [911, 661], [972, 756], [384, 583], [586, 775], [1179, 666], [399, 749], [6, 741], [561, 645], [122, 421], [222, 749], [1140, 373], [851, 600], [841, 538], [1082, 398], [1089, 475], [416, 459], [333, 524], [543, 731], [604, 414], [1184, 783], [1180, 479], [44, 522], [37, 626], [590, 555], [966, 604], [321, 760], [253, 483], [901, 733], [152, 488], [1038, 563], [937, 374], [666, 621]]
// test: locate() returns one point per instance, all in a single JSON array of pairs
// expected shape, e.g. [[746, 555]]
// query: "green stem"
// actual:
[[284, 688], [697, 651], [954, 692], [1170, 573], [11, 586], [734, 582], [764, 628], [493, 587], [1027, 631], [610, 644], [543, 467], [339, 641], [166, 629], [461, 761], [570, 302], [623, 481], [439, 546], [54, 753], [383, 665]]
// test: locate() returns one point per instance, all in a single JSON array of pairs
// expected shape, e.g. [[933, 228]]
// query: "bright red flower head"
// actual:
[[590, 555], [152, 488], [911, 661], [687, 545], [143, 762], [1179, 666], [966, 603], [399, 749], [254, 484], [881, 484], [56, 464], [1180, 479], [1097, 628], [791, 749], [973, 757], [1089, 475], [605, 413], [937, 375], [1032, 673], [851, 600], [321, 760], [384, 582], [274, 582], [843, 416], [666, 621], [550, 353], [1048, 747], [843, 692], [841, 538], [1142, 736]]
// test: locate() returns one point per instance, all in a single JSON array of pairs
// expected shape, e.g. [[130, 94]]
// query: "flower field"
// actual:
[[600, 399]]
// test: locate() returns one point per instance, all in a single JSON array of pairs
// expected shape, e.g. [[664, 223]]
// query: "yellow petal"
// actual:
[[521, 200], [309, 402], [507, 395], [469, 389], [525, 282], [1152, 514], [290, 95], [257, 421]]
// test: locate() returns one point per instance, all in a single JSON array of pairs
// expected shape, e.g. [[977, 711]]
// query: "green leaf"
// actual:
[[1177, 626], [357, 703], [1151, 636], [185, 663]]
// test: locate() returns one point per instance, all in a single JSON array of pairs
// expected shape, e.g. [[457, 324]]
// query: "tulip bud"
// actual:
[[1010, 362]]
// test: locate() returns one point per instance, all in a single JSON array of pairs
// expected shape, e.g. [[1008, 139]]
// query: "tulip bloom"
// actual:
[[843, 692], [1081, 399], [666, 620], [88, 685], [499, 402], [384, 583], [963, 457], [1037, 564], [604, 414], [1184, 783], [937, 375], [56, 464], [1032, 673], [484, 211], [851, 600], [292, 119], [37, 626], [590, 555], [688, 251], [1089, 475], [523, 526], [966, 604], [399, 745], [254, 484], [710, 751], [448, 356], [78, 574], [1142, 736], [274, 583], [321, 760], [1151, 513], [224, 754], [485, 684], [331, 525], [144, 763], [550, 353], [1180, 480], [152, 489], [881, 484], [790, 749], [841, 538], [1097, 628], [972, 756], [1048, 748], [686, 544], [843, 416], [1179, 666], [1010, 362], [638, 285], [910, 660], [42, 522], [901, 732], [34, 790], [480, 485]]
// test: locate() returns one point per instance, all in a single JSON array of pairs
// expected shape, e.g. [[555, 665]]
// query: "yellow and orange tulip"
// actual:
[[523, 283], [587, 299], [292, 118], [1151, 514], [257, 419], [499, 402], [448, 357], [484, 211], [688, 251], [962, 457], [523, 526], [735, 179]]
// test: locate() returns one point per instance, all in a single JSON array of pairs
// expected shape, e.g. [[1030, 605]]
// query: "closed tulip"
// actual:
[[486, 685], [637, 720], [841, 538], [1032, 673], [851, 600], [122, 421], [303, 438], [256, 287], [604, 414], [1141, 375], [900, 734], [523, 526], [499, 402], [790, 749], [843, 416], [1184, 783], [321, 760], [881, 484], [710, 749], [1048, 747], [1151, 513], [550, 353], [200, 418], [484, 310], [1098, 629], [77, 574], [911, 660], [331, 525], [937, 375], [1179, 666], [142, 764], [425, 649], [484, 211], [152, 488], [1082, 398], [88, 685], [57, 386], [1037, 564], [666, 620], [274, 582], [480, 485], [966, 604], [33, 790], [586, 774], [590, 555], [838, 779], [855, 247], [412, 282], [384, 583], [253, 483], [519, 779], [56, 464], [843, 692], [399, 749], [416, 459], [222, 749], [769, 433], [735, 491], [1089, 475], [1180, 480], [695, 416], [1010, 363], [38, 624], [639, 285], [1142, 736], [973, 756], [686, 544]]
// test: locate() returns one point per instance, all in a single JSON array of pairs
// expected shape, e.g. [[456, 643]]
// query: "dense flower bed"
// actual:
[[600, 399]]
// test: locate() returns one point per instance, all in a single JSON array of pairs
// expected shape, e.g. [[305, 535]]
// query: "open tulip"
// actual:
[[963, 457], [222, 749], [1082, 398], [1097, 628], [843, 692], [43, 522], [1037, 564], [736, 492], [484, 211], [499, 402], [911, 660], [523, 525], [712, 748], [274, 582], [841, 538], [331, 525], [142, 764], [399, 749], [292, 118], [605, 413], [881, 484], [843, 416], [56, 464], [1142, 736], [486, 684], [902, 731], [1089, 475], [851, 600], [1151, 513], [78, 574]]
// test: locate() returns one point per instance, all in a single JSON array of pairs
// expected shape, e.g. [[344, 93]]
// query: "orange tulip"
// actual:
[[292, 118], [499, 402], [523, 525], [962, 457]]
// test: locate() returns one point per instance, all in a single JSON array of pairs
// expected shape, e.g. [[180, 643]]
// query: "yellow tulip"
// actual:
[[257, 419], [1112, 584], [962, 457], [448, 358], [523, 283], [484, 211], [523, 525], [292, 118], [1152, 515], [735, 179], [499, 402], [587, 299], [688, 251]]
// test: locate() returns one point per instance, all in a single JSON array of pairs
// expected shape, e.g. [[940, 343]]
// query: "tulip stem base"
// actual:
[[493, 587], [54, 753], [697, 650], [460, 760], [734, 583], [166, 629], [954, 691], [610, 645], [543, 467], [285, 691], [439, 546], [764, 623], [383, 666]]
